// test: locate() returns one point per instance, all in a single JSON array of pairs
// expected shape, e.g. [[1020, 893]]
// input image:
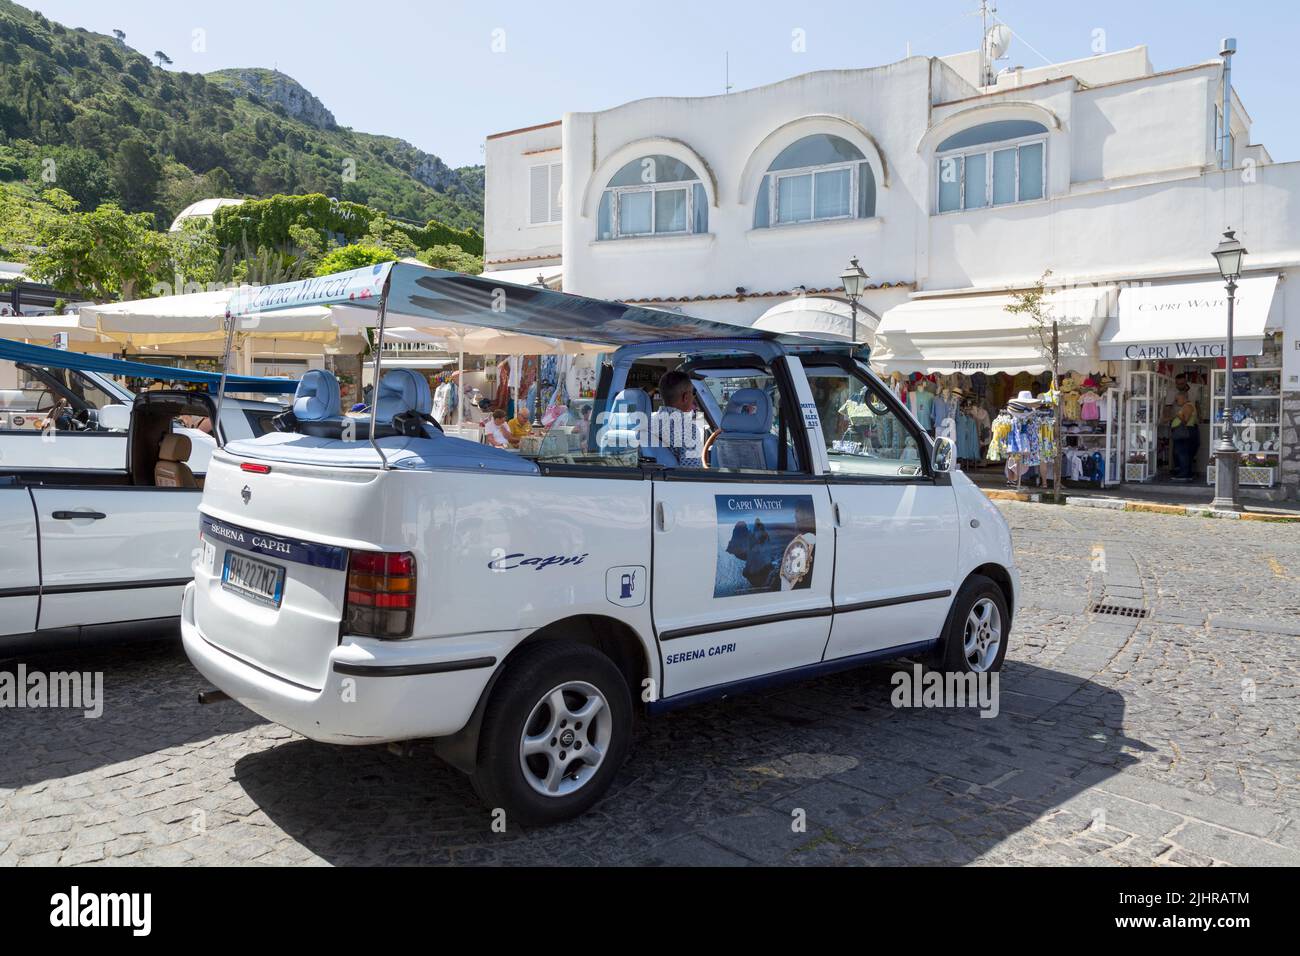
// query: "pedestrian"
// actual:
[[1186, 433]]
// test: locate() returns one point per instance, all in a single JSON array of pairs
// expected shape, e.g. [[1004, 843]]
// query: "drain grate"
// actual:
[[1118, 611]]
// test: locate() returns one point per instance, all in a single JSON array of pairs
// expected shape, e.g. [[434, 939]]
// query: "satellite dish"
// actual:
[[997, 40]]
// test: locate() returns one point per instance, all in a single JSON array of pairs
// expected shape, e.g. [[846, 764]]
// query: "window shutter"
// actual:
[[539, 201], [556, 181]]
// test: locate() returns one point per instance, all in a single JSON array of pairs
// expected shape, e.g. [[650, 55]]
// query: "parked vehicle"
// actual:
[[100, 521], [521, 611]]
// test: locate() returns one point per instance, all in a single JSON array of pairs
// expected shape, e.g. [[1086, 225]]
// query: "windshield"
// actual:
[[863, 434]]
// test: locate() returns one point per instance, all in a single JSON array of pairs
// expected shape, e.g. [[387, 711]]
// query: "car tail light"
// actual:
[[380, 594], [254, 468]]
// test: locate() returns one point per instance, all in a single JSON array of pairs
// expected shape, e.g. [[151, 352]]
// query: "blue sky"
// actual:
[[427, 71]]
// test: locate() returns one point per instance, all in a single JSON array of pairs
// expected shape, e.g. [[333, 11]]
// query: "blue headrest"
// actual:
[[631, 400], [402, 390], [317, 397], [628, 423], [749, 412]]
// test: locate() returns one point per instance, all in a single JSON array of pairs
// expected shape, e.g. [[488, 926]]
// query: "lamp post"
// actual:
[[854, 281], [1229, 255]]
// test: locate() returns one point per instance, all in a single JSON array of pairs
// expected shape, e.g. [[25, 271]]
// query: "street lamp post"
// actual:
[[1229, 255], [854, 281]]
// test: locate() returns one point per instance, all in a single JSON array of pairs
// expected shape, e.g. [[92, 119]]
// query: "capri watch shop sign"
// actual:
[[1188, 320]]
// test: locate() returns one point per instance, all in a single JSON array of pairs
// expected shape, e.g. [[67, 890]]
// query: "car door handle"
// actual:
[[70, 515], [837, 514], [664, 516]]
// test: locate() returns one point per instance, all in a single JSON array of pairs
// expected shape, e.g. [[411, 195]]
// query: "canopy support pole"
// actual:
[[229, 324], [460, 387], [374, 394]]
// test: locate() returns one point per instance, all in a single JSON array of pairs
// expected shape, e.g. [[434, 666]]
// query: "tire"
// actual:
[[555, 780], [980, 607]]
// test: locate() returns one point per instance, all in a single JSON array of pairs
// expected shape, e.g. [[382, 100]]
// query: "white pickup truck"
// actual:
[[520, 610], [99, 519]]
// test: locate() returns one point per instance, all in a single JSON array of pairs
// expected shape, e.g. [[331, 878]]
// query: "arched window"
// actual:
[[991, 165], [653, 196], [816, 178]]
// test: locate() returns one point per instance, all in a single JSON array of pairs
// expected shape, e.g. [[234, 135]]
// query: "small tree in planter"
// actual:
[[1033, 303]]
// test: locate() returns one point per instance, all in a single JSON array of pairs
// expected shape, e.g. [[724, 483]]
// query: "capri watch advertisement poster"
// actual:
[[765, 543]]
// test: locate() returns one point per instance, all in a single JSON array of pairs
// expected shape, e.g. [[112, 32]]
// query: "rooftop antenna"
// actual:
[[994, 41], [726, 72]]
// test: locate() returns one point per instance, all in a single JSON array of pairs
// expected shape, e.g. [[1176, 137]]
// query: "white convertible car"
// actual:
[[520, 608], [99, 514]]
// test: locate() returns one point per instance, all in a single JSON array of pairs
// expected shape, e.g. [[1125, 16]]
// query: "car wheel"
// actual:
[[555, 732], [978, 628]]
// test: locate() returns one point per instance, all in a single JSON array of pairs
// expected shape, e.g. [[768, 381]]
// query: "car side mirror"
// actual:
[[944, 455], [115, 418]]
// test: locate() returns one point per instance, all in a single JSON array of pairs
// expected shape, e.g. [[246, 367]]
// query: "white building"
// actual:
[[952, 195]]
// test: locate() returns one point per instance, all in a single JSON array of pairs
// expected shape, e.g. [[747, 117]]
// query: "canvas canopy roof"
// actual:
[[423, 297], [59, 358]]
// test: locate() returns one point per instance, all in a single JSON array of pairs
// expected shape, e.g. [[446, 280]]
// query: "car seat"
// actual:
[[171, 470], [746, 440], [627, 426]]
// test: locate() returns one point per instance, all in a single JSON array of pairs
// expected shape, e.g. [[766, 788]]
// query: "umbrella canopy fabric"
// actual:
[[43, 327], [199, 317], [819, 317]]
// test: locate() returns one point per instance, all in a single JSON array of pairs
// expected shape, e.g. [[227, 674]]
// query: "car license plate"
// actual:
[[256, 580]]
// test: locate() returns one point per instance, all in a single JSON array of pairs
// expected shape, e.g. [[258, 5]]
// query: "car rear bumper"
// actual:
[[375, 691]]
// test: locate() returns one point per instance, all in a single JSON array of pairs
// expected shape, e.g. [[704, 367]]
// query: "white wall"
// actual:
[[507, 159], [1130, 129], [730, 141]]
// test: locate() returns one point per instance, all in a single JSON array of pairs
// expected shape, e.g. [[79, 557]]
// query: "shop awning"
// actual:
[[1189, 320], [976, 333]]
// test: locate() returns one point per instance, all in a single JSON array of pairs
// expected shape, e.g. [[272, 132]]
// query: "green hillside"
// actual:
[[87, 114]]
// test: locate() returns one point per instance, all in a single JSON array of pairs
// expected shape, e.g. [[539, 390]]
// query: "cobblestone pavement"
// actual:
[[1169, 739]]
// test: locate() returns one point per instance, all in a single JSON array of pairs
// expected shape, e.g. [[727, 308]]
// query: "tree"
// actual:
[[452, 258], [107, 254], [78, 172], [137, 175], [22, 217], [1046, 331], [195, 255], [353, 257], [162, 58], [121, 37]]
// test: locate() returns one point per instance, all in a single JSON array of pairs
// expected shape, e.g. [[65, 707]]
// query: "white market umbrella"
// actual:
[[199, 317], [40, 329], [820, 317]]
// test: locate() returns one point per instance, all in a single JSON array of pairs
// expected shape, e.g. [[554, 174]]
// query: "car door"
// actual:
[[114, 553], [20, 574], [742, 556], [896, 523]]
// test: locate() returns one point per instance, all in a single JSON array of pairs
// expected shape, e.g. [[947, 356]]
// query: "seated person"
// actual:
[[674, 427], [496, 431], [521, 425]]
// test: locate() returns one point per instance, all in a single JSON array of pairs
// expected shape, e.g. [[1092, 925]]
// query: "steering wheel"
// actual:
[[708, 444]]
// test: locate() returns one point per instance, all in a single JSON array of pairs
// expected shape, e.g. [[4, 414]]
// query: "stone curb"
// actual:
[[1120, 504]]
